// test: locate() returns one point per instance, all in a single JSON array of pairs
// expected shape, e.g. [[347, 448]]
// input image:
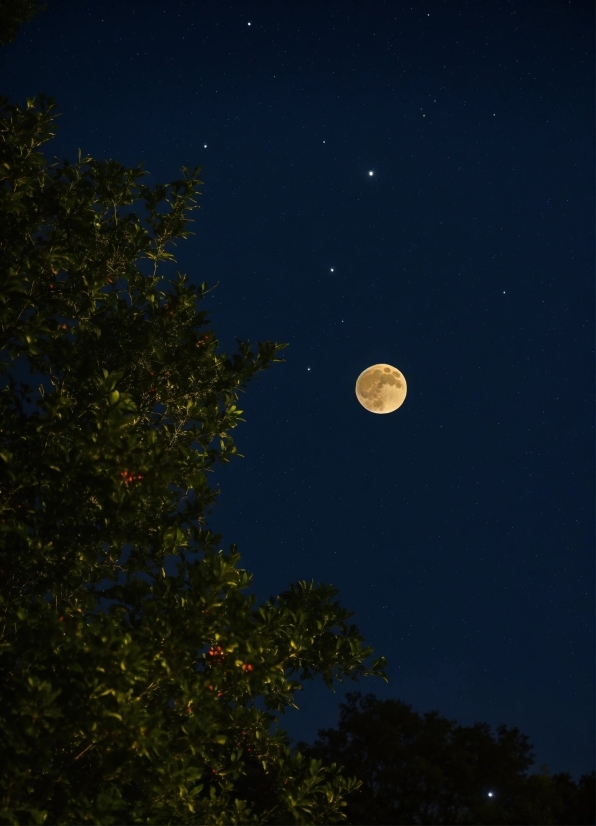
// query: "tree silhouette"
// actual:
[[129, 694], [425, 769], [13, 13]]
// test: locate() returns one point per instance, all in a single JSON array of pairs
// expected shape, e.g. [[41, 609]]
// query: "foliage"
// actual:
[[429, 770], [15, 12], [129, 694]]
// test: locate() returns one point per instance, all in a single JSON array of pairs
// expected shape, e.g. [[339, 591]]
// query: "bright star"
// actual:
[[371, 173]]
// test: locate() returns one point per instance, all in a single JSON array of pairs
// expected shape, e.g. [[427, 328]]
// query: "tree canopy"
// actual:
[[427, 769], [13, 13], [129, 694]]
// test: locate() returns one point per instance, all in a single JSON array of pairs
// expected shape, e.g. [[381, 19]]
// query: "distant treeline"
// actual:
[[427, 769]]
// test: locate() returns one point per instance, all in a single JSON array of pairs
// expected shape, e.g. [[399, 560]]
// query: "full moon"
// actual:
[[381, 388]]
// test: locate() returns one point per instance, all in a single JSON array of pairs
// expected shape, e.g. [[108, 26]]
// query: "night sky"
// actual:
[[460, 528]]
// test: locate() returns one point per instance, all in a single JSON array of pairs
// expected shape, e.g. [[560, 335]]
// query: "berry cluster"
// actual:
[[130, 477], [242, 742], [216, 657], [170, 312], [188, 708], [203, 340], [217, 653]]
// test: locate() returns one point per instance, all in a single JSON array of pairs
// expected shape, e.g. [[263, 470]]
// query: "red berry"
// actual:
[[61, 619], [52, 286], [249, 667], [153, 390], [151, 373]]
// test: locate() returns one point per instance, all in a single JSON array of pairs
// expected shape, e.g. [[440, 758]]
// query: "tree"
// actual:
[[569, 803], [15, 12], [429, 770], [129, 694]]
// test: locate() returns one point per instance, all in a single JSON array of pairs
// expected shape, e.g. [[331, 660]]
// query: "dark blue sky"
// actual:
[[459, 529]]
